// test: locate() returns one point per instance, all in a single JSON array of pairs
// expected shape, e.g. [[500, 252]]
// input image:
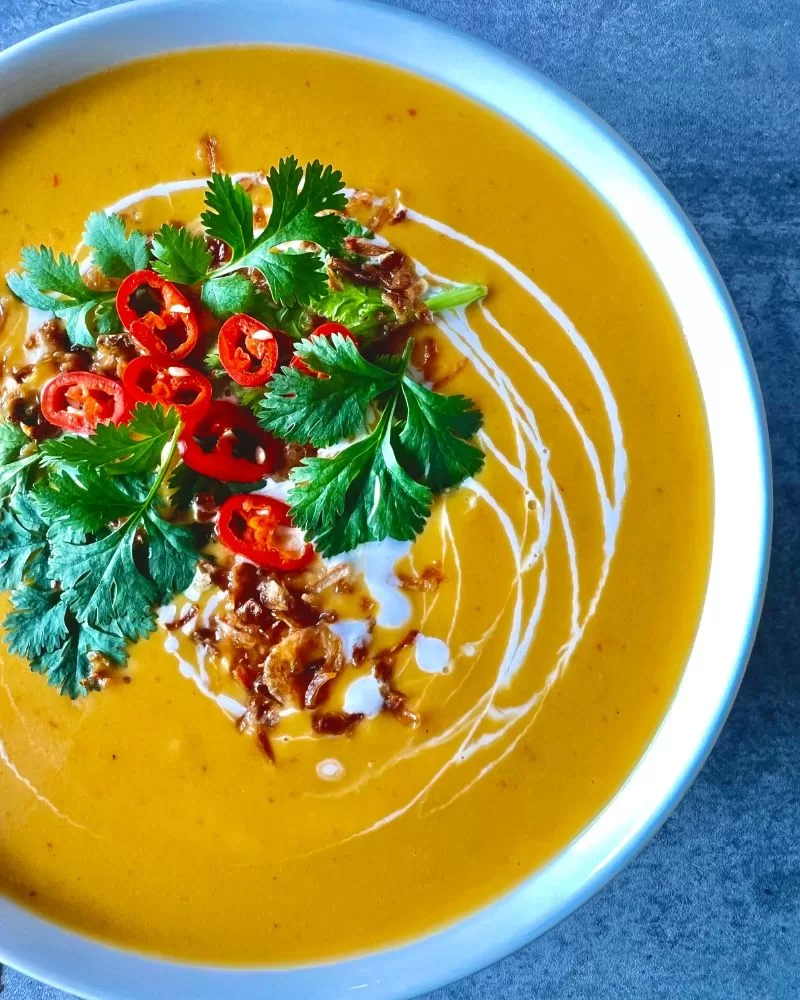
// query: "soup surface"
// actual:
[[572, 567]]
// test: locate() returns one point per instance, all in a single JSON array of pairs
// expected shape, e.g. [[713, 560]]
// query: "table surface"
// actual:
[[706, 91]]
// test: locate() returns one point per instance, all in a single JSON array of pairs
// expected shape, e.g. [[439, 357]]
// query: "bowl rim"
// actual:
[[740, 457]]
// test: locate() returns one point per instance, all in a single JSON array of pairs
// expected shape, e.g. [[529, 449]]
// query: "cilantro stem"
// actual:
[[406, 357], [165, 466], [456, 296]]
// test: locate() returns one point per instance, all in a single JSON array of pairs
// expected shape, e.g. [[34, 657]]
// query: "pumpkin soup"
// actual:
[[355, 506]]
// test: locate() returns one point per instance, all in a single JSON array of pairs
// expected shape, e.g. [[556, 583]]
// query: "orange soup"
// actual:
[[376, 708]]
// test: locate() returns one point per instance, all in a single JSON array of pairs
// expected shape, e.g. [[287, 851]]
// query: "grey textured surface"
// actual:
[[707, 91]]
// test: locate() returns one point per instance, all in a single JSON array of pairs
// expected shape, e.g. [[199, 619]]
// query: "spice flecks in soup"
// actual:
[[530, 636]]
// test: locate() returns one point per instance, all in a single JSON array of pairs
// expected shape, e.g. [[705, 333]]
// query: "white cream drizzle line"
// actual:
[[9, 763], [529, 554]]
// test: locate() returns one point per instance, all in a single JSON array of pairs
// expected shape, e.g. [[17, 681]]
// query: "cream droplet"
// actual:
[[433, 655], [330, 769]]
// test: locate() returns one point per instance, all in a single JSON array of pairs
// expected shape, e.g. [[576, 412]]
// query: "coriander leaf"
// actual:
[[296, 321], [76, 321], [53, 284], [298, 198], [25, 290], [49, 273], [180, 255], [340, 356], [14, 469], [22, 546], [292, 276], [72, 314], [322, 190], [234, 293], [42, 629], [12, 441], [229, 215], [358, 307], [14, 473], [89, 504], [354, 228], [152, 422], [69, 666], [455, 296], [456, 414], [250, 396], [362, 494], [323, 411], [105, 320], [102, 583], [431, 441], [383, 485], [213, 363], [37, 624], [133, 447], [171, 555], [109, 583], [116, 253]]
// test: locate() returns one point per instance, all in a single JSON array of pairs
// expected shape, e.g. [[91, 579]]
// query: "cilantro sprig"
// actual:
[[304, 207], [54, 284], [180, 255], [115, 252], [13, 464], [381, 485], [88, 549], [132, 447], [303, 228]]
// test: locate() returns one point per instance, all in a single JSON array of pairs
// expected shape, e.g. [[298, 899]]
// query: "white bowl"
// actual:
[[742, 494]]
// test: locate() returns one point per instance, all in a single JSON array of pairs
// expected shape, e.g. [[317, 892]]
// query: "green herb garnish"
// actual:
[[88, 544], [180, 255], [185, 485], [115, 252], [455, 297], [88, 551], [54, 285], [234, 293], [133, 447], [298, 198], [12, 464], [381, 486]]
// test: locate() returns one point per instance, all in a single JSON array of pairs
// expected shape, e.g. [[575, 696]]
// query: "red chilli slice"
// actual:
[[227, 443], [158, 316], [248, 350], [79, 401], [260, 529], [147, 379]]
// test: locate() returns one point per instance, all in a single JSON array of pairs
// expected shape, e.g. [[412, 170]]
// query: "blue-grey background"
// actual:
[[708, 91]]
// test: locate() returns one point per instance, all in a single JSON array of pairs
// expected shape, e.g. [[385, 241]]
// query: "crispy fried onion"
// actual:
[[387, 269], [394, 701], [336, 723], [282, 652], [333, 577], [208, 152], [386, 211], [297, 670], [426, 581], [261, 715]]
